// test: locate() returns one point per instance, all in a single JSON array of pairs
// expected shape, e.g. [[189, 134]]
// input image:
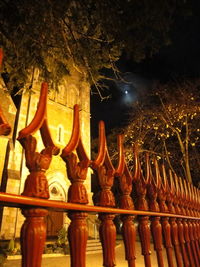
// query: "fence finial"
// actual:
[[36, 184], [77, 164], [5, 128]]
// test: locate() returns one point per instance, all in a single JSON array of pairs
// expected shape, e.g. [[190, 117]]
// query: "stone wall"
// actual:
[[60, 119]]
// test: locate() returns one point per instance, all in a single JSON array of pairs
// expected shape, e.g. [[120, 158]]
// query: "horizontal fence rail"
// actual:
[[167, 207], [18, 201]]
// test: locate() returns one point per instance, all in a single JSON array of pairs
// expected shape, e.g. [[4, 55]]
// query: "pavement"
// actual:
[[95, 260]]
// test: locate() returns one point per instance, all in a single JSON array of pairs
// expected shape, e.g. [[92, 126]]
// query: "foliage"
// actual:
[[167, 124], [62, 236], [55, 36], [62, 240], [11, 247], [3, 256]]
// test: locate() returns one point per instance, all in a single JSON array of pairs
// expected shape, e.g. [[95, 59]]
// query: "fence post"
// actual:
[[192, 225], [105, 173], [162, 196], [141, 183], [186, 225], [174, 226], [152, 193], [77, 166], [181, 197], [126, 202], [33, 231]]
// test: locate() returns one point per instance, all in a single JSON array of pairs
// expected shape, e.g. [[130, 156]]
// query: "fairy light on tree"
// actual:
[[167, 124]]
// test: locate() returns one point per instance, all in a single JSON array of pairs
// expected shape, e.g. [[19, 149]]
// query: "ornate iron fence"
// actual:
[[166, 207]]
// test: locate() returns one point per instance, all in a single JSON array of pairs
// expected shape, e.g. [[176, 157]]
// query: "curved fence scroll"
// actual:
[[5, 128], [33, 232], [163, 206], [77, 163]]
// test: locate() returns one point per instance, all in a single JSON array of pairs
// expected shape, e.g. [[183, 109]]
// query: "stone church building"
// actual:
[[13, 171]]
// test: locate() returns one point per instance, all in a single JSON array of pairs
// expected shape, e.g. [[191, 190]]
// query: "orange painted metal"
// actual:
[[12, 200], [174, 226], [126, 202], [191, 225], [186, 225], [173, 204], [163, 194], [77, 163], [140, 183], [5, 128], [156, 228], [181, 198], [105, 171], [33, 232]]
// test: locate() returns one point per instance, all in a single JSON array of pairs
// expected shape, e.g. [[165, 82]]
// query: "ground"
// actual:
[[95, 260]]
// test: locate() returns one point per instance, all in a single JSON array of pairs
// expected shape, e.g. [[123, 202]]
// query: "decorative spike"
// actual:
[[75, 136], [137, 164], [152, 189], [166, 227], [102, 146], [33, 233], [171, 183], [39, 122], [5, 128], [156, 229], [164, 178], [141, 183], [148, 169], [105, 170], [77, 163], [40, 115], [121, 162], [186, 197], [157, 178], [181, 191], [102, 165], [126, 202], [157, 174]]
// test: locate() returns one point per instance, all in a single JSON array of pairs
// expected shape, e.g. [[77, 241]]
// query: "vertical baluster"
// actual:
[[105, 172], [182, 241], [156, 228], [162, 196], [126, 202], [33, 237], [173, 222], [198, 214], [77, 163], [33, 232], [186, 225], [191, 226], [77, 236], [195, 223], [140, 183]]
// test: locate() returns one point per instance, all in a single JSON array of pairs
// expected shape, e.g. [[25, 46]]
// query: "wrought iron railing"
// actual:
[[167, 208]]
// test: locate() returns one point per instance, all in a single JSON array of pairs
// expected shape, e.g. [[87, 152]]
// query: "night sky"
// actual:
[[179, 60]]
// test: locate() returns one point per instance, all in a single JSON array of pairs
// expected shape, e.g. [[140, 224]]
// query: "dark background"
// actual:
[[179, 60]]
